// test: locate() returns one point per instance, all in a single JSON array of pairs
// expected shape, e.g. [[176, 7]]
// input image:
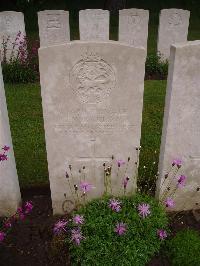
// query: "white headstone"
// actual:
[[12, 32], [9, 189], [173, 28], [181, 129], [92, 95], [94, 25], [133, 27], [53, 27]]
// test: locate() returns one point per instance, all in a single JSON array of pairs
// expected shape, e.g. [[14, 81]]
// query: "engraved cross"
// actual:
[[93, 158]]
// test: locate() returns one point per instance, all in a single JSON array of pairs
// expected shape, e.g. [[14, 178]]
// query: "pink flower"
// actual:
[[120, 162], [20, 213], [3, 157], [2, 236], [7, 224], [59, 226], [85, 186], [76, 236], [28, 207], [162, 234], [115, 205], [144, 210], [177, 162], [181, 181], [125, 182], [6, 148], [169, 202], [120, 228], [78, 219]]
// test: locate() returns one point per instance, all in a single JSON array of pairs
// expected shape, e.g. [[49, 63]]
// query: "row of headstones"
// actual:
[[92, 96], [94, 25]]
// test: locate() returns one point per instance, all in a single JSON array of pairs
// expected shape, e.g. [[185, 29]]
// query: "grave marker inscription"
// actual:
[[92, 107], [173, 28], [133, 27], [53, 27], [94, 25]]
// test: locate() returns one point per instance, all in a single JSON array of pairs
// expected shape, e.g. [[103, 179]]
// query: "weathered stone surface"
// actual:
[[92, 96], [173, 28], [133, 27], [181, 130], [53, 27], [94, 25], [9, 189], [11, 23]]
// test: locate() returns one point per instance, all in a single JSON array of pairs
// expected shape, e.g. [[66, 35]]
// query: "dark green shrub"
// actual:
[[102, 246], [20, 63], [184, 248], [18, 73], [156, 67]]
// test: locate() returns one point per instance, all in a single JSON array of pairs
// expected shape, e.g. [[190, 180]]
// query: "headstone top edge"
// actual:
[[92, 10], [11, 12], [53, 11], [174, 9], [186, 44], [92, 42], [121, 11]]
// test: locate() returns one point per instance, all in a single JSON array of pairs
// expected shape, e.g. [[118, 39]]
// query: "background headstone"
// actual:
[[9, 186], [181, 129], [92, 97], [173, 28], [53, 27], [133, 27], [12, 33], [94, 25]]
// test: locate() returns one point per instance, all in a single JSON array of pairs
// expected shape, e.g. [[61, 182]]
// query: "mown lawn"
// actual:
[[25, 113]]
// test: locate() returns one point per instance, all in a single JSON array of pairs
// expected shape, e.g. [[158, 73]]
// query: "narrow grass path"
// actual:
[[25, 113]]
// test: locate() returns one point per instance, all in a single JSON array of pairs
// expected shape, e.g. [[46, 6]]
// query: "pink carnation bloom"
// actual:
[[120, 162], [78, 219], [6, 148], [2, 236], [120, 228], [7, 224], [85, 186], [177, 162], [162, 234], [115, 205], [76, 236], [59, 226], [3, 157], [28, 207], [181, 181], [169, 202], [20, 213], [144, 210]]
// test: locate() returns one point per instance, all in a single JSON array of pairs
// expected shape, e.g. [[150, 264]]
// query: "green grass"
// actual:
[[25, 113], [26, 120]]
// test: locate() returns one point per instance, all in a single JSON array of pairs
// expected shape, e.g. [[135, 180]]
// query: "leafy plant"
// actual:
[[184, 248], [156, 67], [20, 60], [119, 237]]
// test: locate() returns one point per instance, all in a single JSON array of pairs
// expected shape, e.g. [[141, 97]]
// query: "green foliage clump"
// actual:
[[103, 246], [184, 248], [15, 72], [156, 67]]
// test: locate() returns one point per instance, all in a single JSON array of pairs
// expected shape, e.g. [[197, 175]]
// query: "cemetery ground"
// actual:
[[30, 242]]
